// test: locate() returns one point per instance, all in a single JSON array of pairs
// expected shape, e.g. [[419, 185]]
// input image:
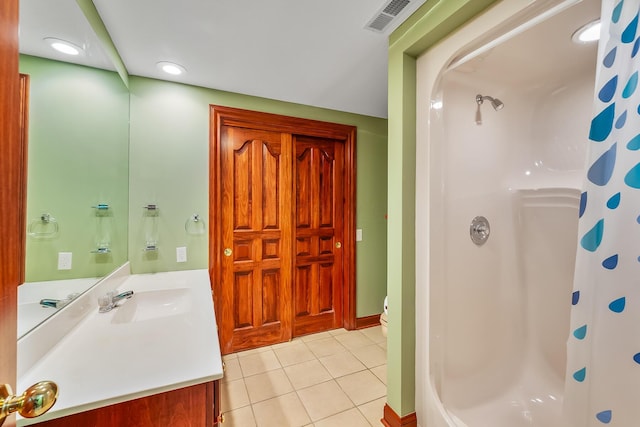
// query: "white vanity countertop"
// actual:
[[163, 338]]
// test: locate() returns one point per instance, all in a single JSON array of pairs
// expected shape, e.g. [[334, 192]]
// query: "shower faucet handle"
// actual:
[[479, 230]]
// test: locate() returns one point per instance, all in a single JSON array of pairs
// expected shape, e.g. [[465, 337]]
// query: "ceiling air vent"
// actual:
[[386, 14]]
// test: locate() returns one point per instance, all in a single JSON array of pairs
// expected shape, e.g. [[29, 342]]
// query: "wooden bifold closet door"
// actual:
[[318, 195], [282, 219]]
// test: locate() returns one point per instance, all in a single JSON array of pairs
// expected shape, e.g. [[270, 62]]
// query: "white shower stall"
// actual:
[[491, 345]]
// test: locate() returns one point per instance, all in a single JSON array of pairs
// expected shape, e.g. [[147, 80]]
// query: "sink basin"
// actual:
[[149, 305]]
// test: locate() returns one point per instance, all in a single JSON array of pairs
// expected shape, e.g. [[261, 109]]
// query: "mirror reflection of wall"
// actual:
[[77, 160], [78, 156]]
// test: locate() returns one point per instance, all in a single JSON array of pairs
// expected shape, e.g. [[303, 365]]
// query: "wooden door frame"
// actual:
[[221, 116], [25, 85], [11, 215]]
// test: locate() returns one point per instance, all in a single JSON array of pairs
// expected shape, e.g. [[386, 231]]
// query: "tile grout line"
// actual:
[[300, 340]]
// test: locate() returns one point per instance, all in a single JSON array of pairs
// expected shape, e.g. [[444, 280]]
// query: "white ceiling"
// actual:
[[312, 52], [62, 19], [542, 55]]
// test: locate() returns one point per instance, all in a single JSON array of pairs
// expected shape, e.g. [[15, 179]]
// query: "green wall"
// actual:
[[429, 24], [93, 141], [169, 166], [371, 252], [77, 157]]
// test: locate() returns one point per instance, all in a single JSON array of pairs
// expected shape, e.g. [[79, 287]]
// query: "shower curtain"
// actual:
[[603, 349]]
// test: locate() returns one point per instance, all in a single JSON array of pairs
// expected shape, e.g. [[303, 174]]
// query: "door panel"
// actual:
[[319, 207], [255, 172], [282, 206]]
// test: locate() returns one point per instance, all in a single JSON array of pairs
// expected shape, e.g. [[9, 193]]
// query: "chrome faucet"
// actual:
[[57, 303], [110, 301], [124, 295], [54, 303]]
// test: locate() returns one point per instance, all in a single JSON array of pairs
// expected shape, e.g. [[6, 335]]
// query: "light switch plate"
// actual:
[[359, 235], [181, 254]]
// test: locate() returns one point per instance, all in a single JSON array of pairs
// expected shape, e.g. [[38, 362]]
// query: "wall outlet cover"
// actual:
[[64, 260]]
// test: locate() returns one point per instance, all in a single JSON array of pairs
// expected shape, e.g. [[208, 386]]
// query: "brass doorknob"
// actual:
[[338, 245], [227, 251], [35, 401]]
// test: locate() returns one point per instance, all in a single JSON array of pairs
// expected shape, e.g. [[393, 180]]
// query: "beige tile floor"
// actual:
[[334, 378]]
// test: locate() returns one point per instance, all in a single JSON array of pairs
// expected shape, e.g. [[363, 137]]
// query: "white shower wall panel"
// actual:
[[497, 321], [557, 133], [547, 232], [500, 298], [483, 322]]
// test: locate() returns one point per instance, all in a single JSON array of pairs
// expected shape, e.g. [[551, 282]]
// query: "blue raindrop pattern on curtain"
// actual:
[[603, 348]]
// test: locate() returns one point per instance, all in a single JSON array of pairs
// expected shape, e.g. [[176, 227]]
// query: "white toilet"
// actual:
[[383, 318]]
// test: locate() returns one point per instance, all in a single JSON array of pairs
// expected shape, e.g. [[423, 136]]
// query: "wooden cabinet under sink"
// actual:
[[194, 406]]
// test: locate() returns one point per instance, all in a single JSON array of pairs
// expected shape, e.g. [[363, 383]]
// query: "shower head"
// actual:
[[495, 102]]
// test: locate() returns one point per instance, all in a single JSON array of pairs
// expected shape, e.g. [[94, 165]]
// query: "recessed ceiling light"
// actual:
[[171, 68], [64, 46], [588, 33]]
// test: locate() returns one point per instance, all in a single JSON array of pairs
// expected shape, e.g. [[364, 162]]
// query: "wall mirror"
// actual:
[[77, 161]]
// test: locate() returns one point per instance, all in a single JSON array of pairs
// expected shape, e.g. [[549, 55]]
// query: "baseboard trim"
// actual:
[[367, 321], [391, 419]]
